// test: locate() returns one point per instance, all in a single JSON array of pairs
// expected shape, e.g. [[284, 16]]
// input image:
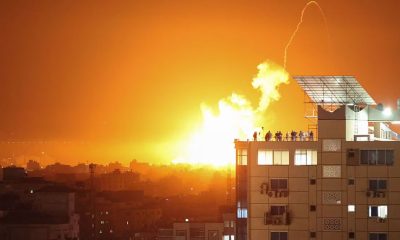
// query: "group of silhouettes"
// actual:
[[293, 136]]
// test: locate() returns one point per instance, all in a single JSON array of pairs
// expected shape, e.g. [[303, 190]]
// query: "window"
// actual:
[[351, 208], [228, 223], [377, 185], [351, 181], [331, 171], [351, 235], [278, 184], [273, 157], [197, 232], [313, 181], [226, 237], [241, 156], [378, 211], [377, 157], [280, 236], [278, 210], [377, 236], [265, 157], [213, 235], [313, 234], [281, 157], [305, 157], [242, 212], [313, 208]]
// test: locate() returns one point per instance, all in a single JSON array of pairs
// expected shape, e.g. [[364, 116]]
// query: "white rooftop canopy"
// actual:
[[335, 90]]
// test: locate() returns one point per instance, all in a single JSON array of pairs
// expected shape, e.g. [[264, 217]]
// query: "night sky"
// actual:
[[127, 77]]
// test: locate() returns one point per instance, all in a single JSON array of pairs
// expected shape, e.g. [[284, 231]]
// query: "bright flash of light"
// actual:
[[236, 118], [387, 111]]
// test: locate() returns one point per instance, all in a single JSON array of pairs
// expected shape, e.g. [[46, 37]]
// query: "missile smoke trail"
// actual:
[[298, 27]]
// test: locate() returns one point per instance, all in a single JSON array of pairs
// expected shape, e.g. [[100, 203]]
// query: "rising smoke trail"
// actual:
[[298, 27]]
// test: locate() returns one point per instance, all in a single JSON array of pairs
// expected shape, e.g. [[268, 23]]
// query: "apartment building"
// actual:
[[343, 183]]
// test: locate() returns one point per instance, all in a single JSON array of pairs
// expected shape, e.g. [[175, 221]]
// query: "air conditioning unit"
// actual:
[[264, 188], [380, 194], [277, 221], [284, 193], [381, 220], [271, 193]]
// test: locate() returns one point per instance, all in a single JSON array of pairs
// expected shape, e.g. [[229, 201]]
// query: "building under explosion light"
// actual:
[[343, 183]]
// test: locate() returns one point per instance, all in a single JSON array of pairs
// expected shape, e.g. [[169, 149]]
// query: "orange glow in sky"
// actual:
[[121, 80]]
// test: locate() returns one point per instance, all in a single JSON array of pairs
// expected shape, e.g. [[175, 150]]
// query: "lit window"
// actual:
[[265, 157], [378, 211], [226, 237], [242, 213], [281, 157], [351, 208], [273, 157], [241, 156], [305, 157]]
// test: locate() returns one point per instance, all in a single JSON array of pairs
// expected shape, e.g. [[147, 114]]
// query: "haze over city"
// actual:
[[123, 80]]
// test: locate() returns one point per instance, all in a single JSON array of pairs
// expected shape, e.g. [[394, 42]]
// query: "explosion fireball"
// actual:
[[236, 118]]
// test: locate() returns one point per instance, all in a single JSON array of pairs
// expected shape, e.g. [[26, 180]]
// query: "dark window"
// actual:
[[364, 156], [180, 233], [381, 157], [377, 236], [278, 210], [351, 235], [377, 157], [313, 181], [213, 235], [389, 157], [277, 184], [313, 208], [351, 181], [313, 234], [279, 236], [374, 211], [372, 157], [197, 232], [377, 185]]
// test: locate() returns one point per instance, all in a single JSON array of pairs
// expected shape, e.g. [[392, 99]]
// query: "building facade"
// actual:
[[343, 184]]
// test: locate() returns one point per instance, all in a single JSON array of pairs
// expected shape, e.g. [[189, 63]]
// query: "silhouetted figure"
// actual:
[[279, 136], [287, 136], [301, 136], [268, 136], [293, 134], [311, 138], [255, 135]]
